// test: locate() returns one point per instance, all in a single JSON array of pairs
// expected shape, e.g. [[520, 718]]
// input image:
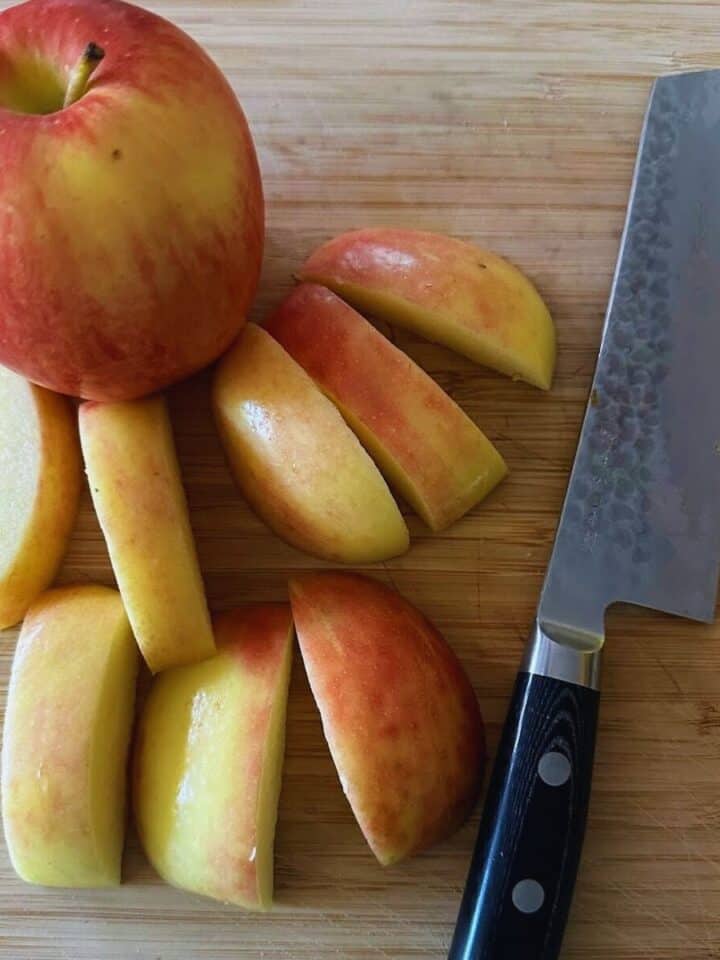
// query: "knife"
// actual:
[[640, 524]]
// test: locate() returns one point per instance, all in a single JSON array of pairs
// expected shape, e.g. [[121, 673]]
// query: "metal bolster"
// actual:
[[562, 661]]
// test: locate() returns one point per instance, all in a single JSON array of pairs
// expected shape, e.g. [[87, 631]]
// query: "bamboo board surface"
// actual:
[[516, 125]]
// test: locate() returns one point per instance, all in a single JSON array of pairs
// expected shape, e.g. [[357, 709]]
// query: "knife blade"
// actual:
[[640, 524]]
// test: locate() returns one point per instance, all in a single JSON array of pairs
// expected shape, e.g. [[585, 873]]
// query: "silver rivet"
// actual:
[[528, 896], [554, 769]]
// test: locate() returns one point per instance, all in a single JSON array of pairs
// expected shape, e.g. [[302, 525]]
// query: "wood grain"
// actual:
[[514, 124]]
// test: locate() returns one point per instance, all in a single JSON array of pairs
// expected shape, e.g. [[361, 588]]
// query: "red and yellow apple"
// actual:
[[67, 729], [131, 219], [40, 473], [449, 291], [137, 491], [429, 450], [399, 714], [296, 461], [208, 760]]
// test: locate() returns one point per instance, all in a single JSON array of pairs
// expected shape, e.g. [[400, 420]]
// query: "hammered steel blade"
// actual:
[[641, 519]]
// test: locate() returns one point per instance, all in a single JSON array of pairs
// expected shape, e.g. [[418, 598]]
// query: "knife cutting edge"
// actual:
[[640, 524]]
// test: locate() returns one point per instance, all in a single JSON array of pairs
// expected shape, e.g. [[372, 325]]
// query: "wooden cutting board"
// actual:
[[514, 124]]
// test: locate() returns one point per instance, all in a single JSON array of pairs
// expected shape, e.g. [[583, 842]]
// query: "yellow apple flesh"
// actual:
[[425, 445], [40, 473], [297, 462], [449, 291], [208, 761], [66, 735], [136, 488]]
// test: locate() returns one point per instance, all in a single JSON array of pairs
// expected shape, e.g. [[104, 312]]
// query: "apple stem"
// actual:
[[81, 72]]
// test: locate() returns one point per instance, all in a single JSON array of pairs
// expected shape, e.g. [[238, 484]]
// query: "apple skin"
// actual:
[[398, 711], [39, 490], [208, 760], [137, 491], [446, 290], [295, 459], [427, 447], [131, 222], [65, 742]]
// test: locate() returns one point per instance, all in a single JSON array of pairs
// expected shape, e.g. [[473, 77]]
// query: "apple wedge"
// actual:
[[136, 488], [430, 451], [297, 462], [446, 290], [67, 729], [399, 714], [208, 760], [40, 473]]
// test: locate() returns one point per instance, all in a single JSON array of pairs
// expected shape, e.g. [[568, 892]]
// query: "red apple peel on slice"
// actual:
[[399, 713]]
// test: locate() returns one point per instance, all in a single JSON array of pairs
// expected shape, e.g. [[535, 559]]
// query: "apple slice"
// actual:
[[399, 714], [297, 462], [208, 760], [135, 483], [67, 728], [428, 448], [449, 291], [40, 473]]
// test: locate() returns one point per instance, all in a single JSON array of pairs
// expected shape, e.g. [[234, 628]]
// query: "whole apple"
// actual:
[[131, 208]]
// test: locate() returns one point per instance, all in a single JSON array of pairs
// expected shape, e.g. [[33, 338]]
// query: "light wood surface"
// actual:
[[514, 124]]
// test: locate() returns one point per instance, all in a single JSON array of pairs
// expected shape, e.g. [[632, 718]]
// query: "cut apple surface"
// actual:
[[430, 451], [399, 714], [67, 728], [136, 488], [297, 462], [449, 291], [40, 473], [208, 760]]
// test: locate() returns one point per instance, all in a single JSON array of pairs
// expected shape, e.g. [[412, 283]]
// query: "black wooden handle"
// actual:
[[522, 875]]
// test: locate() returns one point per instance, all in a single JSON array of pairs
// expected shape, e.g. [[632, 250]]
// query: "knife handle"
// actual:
[[518, 892]]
